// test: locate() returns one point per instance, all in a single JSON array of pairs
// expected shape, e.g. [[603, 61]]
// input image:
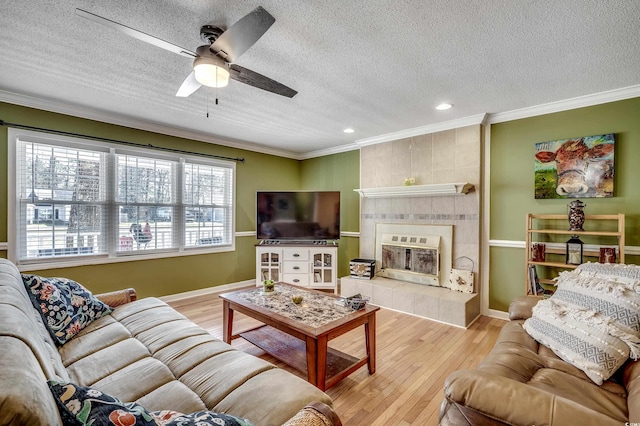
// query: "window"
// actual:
[[207, 197], [145, 187], [75, 198]]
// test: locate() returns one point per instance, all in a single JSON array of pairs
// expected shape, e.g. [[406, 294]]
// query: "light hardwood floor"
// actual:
[[414, 356]]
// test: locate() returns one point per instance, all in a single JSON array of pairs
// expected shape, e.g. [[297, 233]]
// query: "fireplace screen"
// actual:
[[410, 259], [414, 253]]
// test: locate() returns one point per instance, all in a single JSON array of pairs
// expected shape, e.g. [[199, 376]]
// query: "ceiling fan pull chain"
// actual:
[[216, 88], [207, 104]]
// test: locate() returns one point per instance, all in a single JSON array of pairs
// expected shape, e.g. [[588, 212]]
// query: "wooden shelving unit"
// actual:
[[532, 231]]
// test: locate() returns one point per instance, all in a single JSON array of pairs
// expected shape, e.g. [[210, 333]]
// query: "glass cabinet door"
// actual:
[[322, 268], [270, 266], [268, 259]]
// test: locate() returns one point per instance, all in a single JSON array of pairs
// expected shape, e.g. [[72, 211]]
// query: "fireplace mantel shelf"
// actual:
[[432, 190]]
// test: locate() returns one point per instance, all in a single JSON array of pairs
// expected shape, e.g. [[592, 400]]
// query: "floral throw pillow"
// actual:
[[65, 305], [81, 406], [205, 418]]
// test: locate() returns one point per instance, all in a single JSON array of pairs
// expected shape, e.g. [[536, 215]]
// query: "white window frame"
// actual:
[[112, 255]]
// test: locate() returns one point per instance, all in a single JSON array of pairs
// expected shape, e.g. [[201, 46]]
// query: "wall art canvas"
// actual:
[[570, 168]]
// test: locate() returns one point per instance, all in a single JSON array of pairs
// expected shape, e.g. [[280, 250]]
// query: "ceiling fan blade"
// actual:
[[136, 34], [254, 79], [243, 34], [189, 85]]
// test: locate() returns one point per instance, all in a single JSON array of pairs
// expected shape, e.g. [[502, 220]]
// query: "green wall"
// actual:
[[512, 165], [511, 153], [338, 172], [161, 277]]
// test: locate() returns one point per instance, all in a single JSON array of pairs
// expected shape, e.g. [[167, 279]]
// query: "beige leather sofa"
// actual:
[[524, 383], [146, 352]]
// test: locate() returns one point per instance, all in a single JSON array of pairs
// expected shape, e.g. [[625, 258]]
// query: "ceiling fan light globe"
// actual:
[[211, 75]]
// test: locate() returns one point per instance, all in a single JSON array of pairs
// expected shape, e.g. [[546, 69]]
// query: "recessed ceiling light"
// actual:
[[443, 106], [348, 130]]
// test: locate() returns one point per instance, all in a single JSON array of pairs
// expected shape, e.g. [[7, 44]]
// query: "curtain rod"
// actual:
[[97, 138]]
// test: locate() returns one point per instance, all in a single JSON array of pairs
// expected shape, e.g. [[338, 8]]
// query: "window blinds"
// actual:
[[93, 199]]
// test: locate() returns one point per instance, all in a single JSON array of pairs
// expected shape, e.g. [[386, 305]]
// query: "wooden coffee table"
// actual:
[[298, 335]]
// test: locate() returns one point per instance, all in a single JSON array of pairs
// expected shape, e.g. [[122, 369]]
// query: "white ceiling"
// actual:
[[377, 66]]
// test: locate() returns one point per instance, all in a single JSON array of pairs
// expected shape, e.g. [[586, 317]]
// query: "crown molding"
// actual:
[[89, 113], [485, 118], [423, 130], [566, 105], [329, 151]]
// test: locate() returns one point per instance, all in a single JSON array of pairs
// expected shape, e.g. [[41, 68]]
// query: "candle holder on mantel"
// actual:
[[576, 215]]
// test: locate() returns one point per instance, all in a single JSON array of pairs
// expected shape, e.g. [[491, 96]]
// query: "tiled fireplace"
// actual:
[[436, 158]]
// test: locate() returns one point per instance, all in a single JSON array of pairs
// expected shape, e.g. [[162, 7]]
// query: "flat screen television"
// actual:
[[298, 215]]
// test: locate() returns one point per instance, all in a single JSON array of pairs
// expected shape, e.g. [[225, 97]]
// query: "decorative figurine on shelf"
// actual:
[[268, 286], [576, 215], [574, 251], [538, 252], [607, 255]]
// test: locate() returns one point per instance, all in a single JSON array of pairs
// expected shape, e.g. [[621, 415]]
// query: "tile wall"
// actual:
[[450, 156]]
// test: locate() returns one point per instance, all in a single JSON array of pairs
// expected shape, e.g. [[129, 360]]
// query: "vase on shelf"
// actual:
[[576, 215]]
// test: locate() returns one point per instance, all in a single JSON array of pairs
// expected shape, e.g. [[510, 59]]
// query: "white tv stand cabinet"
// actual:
[[312, 265]]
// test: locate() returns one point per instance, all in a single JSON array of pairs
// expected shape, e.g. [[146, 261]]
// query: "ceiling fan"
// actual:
[[213, 63]]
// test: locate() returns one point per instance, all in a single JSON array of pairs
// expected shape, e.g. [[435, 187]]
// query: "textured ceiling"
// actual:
[[377, 66]]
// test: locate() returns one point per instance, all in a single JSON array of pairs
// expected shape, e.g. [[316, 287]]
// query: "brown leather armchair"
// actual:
[[524, 383]]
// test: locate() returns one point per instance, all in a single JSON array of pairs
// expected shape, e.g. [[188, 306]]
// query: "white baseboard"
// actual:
[[493, 313], [206, 291]]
